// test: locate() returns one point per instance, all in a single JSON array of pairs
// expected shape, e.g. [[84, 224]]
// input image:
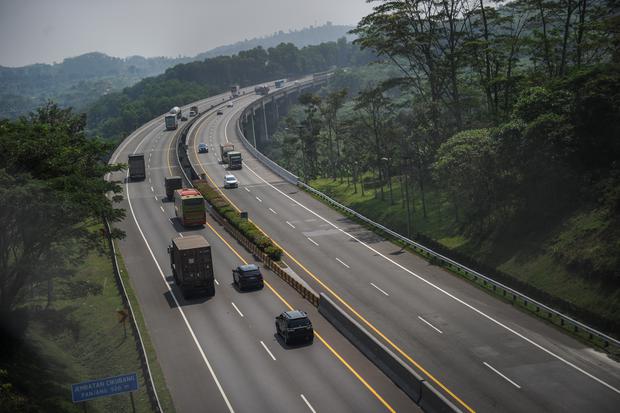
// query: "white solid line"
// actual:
[[507, 379], [291, 225], [312, 241], [471, 307], [430, 325], [308, 404], [342, 262], [267, 350], [259, 200], [215, 279], [162, 209], [379, 289], [273, 211], [178, 306], [240, 313], [246, 189]]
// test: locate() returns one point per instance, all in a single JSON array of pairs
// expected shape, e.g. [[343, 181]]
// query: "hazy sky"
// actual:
[[46, 31]]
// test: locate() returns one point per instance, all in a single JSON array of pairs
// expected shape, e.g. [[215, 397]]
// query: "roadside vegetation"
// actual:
[[60, 309], [488, 133], [116, 115]]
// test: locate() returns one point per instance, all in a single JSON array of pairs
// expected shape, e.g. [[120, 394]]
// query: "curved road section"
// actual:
[[483, 354], [221, 354]]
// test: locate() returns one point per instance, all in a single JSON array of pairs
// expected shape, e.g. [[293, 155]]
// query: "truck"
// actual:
[[224, 149], [279, 83], [189, 207], [193, 111], [171, 121], [192, 265], [261, 90], [136, 166], [234, 160], [235, 91], [172, 183], [176, 111]]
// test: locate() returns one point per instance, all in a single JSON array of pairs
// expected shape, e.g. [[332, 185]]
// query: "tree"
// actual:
[[51, 192]]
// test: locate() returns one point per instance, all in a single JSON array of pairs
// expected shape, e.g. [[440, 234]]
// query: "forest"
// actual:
[[487, 131]]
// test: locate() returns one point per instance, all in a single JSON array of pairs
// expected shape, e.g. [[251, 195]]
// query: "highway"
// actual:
[[482, 353], [221, 354]]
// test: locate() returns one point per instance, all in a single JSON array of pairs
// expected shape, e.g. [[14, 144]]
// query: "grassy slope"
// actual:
[[78, 338], [536, 259]]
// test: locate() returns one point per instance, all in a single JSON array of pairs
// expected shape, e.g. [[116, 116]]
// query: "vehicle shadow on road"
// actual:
[[178, 227], [292, 346], [183, 302]]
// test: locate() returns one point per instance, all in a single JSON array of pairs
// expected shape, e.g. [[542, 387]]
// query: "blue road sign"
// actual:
[[104, 387]]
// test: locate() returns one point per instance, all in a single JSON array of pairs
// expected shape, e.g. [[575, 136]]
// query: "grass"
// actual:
[[78, 337], [534, 259]]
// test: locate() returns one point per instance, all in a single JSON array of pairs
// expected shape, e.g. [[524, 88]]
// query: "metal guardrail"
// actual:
[[607, 340], [146, 368], [293, 179]]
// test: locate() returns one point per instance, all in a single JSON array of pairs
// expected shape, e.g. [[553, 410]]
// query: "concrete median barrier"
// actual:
[[434, 402], [393, 367]]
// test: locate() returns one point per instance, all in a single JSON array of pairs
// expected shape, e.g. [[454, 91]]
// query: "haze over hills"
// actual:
[[79, 81]]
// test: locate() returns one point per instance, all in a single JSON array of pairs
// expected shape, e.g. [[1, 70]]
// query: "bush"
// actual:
[[248, 229]]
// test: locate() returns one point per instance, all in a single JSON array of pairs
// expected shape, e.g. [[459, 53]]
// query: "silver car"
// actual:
[[230, 181]]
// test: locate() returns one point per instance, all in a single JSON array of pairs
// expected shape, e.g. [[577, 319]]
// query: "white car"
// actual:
[[230, 181], [230, 104]]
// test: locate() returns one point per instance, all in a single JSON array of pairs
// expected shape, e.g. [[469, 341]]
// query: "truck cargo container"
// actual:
[[224, 149], [192, 265], [137, 169], [189, 207], [172, 183]]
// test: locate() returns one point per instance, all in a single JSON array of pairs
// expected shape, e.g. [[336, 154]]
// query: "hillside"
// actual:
[[79, 81]]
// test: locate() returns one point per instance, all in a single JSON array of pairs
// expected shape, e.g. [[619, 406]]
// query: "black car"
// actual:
[[248, 276], [294, 325], [184, 118]]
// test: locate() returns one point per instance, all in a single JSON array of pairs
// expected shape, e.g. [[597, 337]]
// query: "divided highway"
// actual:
[[221, 354], [483, 354]]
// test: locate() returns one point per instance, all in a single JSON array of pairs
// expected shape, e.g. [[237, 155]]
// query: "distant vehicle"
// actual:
[[293, 325], [189, 207], [171, 121], [137, 169], [193, 111], [230, 181], [261, 90], [247, 276], [220, 112], [203, 148], [176, 111], [224, 149], [235, 90], [192, 265], [279, 83], [234, 160], [172, 183], [184, 118], [230, 105]]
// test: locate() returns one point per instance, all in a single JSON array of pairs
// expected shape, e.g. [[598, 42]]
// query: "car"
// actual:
[[230, 104], [247, 276], [294, 325], [203, 148], [230, 181], [220, 112], [184, 118]]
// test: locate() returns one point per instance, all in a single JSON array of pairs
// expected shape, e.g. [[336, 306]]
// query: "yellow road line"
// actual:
[[347, 305], [329, 347]]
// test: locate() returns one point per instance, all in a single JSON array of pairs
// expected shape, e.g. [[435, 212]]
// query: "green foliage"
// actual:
[[117, 114], [51, 190], [247, 228]]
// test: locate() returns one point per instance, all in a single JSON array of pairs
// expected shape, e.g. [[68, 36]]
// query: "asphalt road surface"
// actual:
[[481, 353], [221, 354]]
